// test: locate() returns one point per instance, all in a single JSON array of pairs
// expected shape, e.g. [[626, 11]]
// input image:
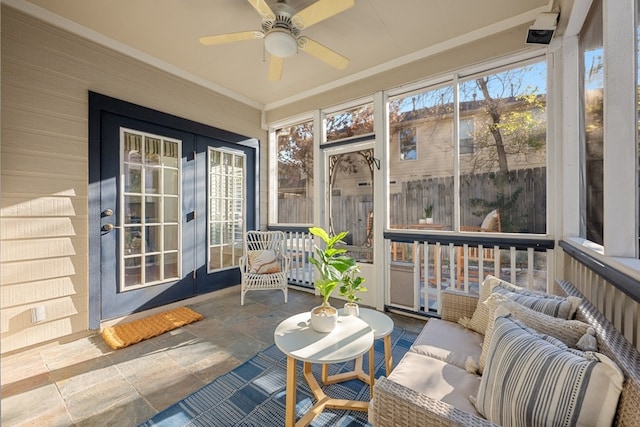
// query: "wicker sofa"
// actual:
[[443, 345]]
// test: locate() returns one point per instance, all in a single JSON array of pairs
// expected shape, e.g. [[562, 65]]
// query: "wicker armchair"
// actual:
[[264, 264]]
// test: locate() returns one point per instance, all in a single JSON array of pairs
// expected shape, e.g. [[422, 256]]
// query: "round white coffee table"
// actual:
[[382, 326], [294, 336]]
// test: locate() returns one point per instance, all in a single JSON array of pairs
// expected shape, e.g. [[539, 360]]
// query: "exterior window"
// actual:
[[507, 169], [349, 123], [467, 139], [226, 207], [408, 144], [426, 185], [150, 172], [295, 173], [593, 61]]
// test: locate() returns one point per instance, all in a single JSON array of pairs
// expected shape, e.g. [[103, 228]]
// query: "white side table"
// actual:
[[382, 326], [294, 336]]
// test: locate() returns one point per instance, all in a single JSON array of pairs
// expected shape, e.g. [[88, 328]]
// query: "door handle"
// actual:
[[108, 227]]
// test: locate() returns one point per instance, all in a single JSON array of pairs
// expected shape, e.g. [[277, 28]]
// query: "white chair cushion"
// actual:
[[490, 222], [263, 262]]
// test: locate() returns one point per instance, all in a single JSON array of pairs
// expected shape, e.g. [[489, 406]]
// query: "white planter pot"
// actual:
[[324, 318], [429, 220], [422, 221], [351, 309]]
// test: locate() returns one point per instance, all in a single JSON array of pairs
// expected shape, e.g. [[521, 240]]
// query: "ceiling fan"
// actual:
[[281, 28]]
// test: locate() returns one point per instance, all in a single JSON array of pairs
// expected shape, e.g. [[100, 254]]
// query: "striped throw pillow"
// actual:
[[568, 331], [532, 381], [549, 304]]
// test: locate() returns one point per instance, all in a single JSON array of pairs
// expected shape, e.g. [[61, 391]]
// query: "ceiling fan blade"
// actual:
[[319, 11], [231, 37], [276, 64], [323, 53], [263, 9]]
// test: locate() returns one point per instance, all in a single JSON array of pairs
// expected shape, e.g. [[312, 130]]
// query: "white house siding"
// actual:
[[46, 75]]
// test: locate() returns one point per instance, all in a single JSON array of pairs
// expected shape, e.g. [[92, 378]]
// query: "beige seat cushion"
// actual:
[[438, 380], [448, 342]]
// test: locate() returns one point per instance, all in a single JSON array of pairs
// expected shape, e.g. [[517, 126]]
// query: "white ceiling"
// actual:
[[375, 35]]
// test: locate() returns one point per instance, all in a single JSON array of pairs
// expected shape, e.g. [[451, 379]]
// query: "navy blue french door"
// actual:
[[149, 207]]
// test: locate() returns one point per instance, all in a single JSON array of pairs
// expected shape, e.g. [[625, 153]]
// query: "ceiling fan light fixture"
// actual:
[[280, 43]]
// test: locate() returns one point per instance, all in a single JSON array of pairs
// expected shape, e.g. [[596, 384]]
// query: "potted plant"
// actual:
[[331, 264], [428, 214], [351, 284]]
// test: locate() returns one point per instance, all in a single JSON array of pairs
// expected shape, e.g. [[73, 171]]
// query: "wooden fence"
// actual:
[[527, 213]]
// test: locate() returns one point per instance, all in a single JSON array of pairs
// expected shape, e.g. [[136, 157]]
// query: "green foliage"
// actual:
[[505, 204], [428, 211], [351, 284], [330, 262]]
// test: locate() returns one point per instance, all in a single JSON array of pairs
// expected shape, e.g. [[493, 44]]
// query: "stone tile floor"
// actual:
[[86, 383]]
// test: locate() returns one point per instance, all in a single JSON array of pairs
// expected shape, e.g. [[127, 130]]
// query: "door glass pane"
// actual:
[[226, 207], [149, 228], [351, 202]]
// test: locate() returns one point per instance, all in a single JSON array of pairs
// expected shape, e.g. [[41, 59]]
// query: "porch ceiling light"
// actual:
[[280, 43]]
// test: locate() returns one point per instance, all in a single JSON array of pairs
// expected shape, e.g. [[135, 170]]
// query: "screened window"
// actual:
[[429, 182], [349, 123], [502, 147], [593, 90], [506, 172], [295, 173]]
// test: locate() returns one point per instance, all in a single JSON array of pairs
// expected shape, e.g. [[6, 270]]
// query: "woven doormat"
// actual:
[[130, 333]]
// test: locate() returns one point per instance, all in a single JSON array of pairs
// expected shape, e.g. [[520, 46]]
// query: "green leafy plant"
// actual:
[[351, 284], [330, 262], [428, 211]]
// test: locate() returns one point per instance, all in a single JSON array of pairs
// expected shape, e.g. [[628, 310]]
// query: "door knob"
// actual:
[[108, 227], [107, 212]]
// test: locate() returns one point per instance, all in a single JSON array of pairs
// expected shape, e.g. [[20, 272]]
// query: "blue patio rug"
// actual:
[[253, 394]]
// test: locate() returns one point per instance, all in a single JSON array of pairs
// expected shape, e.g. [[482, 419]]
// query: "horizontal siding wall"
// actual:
[[46, 75]]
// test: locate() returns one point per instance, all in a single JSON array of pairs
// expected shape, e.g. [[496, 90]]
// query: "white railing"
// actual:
[[448, 265], [299, 246], [459, 266]]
